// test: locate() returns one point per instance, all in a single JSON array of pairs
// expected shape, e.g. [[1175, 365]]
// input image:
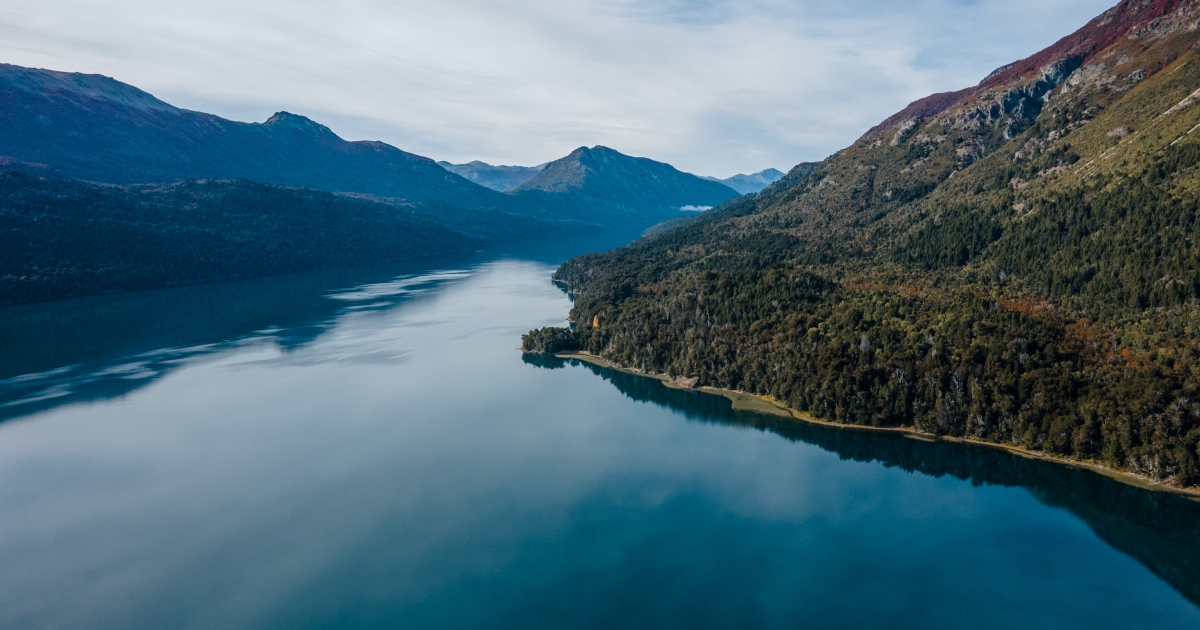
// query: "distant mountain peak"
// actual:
[[288, 120], [498, 178], [750, 183], [607, 174]]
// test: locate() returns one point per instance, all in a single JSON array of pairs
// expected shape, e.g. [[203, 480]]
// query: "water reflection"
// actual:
[[104, 347], [1160, 530]]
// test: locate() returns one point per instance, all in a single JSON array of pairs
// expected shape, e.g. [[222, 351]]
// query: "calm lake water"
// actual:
[[369, 449]]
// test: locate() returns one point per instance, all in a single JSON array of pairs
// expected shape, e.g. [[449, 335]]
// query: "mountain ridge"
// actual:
[[95, 128], [1099, 33]]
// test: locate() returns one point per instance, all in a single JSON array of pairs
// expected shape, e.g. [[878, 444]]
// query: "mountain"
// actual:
[[752, 183], [98, 129], [606, 179], [104, 187], [1017, 262], [63, 237], [498, 178]]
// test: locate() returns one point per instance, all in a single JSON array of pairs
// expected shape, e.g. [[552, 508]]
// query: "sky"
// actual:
[[714, 87]]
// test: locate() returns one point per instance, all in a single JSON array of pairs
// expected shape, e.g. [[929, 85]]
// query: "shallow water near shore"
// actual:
[[368, 449]]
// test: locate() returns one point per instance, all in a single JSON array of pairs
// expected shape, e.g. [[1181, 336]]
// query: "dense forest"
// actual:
[[63, 237], [1014, 263]]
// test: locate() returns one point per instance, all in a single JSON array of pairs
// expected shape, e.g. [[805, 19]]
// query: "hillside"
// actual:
[[1015, 262], [60, 238], [94, 128], [498, 178], [603, 178]]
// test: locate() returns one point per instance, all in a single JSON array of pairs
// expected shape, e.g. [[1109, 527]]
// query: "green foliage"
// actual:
[[61, 238], [1041, 290], [549, 341]]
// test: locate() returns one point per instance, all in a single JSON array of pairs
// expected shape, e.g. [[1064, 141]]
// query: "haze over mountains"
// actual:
[[498, 178], [752, 183], [1014, 262]]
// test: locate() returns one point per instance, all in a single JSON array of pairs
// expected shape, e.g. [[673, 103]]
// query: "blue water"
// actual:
[[369, 449]]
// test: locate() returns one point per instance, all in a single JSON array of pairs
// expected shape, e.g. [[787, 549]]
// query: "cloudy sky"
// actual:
[[715, 87]]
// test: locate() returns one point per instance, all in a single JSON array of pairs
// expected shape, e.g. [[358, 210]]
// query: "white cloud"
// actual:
[[711, 86]]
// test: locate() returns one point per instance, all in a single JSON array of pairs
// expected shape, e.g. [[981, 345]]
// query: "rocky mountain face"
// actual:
[[1022, 82], [498, 178], [752, 183], [97, 129], [1016, 262], [606, 178]]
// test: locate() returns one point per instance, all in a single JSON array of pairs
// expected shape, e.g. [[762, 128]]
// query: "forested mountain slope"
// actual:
[[1016, 262], [60, 238]]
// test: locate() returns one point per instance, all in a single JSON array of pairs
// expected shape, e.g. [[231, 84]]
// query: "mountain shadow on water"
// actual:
[[107, 346], [1158, 529]]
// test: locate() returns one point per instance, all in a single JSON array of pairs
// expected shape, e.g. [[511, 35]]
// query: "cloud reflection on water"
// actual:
[[307, 306]]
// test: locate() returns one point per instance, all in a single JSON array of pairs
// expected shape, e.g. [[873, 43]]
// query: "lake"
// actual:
[[368, 448]]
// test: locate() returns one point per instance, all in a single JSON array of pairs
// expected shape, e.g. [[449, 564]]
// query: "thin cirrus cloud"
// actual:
[[713, 86]]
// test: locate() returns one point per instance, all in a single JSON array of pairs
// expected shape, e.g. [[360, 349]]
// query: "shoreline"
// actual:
[[766, 404]]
